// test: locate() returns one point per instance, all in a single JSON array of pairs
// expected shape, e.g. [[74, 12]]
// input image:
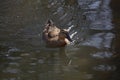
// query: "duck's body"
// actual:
[[54, 36]]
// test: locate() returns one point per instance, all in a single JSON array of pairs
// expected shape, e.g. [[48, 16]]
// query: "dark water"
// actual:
[[91, 56]]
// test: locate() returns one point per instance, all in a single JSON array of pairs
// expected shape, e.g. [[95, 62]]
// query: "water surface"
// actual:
[[23, 55]]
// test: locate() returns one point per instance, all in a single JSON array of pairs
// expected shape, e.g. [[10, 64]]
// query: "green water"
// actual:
[[93, 54]]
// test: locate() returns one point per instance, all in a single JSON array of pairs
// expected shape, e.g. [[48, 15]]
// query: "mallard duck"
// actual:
[[54, 36]]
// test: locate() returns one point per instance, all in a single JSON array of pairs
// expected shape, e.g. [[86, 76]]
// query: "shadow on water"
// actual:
[[90, 56]]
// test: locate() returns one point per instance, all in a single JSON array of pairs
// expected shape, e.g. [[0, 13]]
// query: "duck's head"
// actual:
[[49, 23], [51, 29]]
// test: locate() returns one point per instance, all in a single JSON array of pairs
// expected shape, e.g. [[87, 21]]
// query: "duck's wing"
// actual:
[[67, 35]]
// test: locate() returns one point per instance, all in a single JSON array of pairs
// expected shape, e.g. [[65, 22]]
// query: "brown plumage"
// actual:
[[54, 36]]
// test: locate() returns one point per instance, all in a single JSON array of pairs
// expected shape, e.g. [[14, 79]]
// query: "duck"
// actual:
[[53, 36]]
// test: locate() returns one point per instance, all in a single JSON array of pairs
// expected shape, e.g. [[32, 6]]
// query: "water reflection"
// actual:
[[100, 40], [102, 55], [23, 55], [105, 67]]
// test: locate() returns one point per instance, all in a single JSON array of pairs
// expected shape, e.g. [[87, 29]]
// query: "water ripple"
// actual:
[[10, 70], [102, 55], [100, 40], [105, 67]]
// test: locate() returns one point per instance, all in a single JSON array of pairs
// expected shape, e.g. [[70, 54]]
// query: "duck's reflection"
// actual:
[[58, 59]]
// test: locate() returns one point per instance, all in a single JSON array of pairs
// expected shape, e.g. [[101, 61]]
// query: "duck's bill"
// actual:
[[50, 22]]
